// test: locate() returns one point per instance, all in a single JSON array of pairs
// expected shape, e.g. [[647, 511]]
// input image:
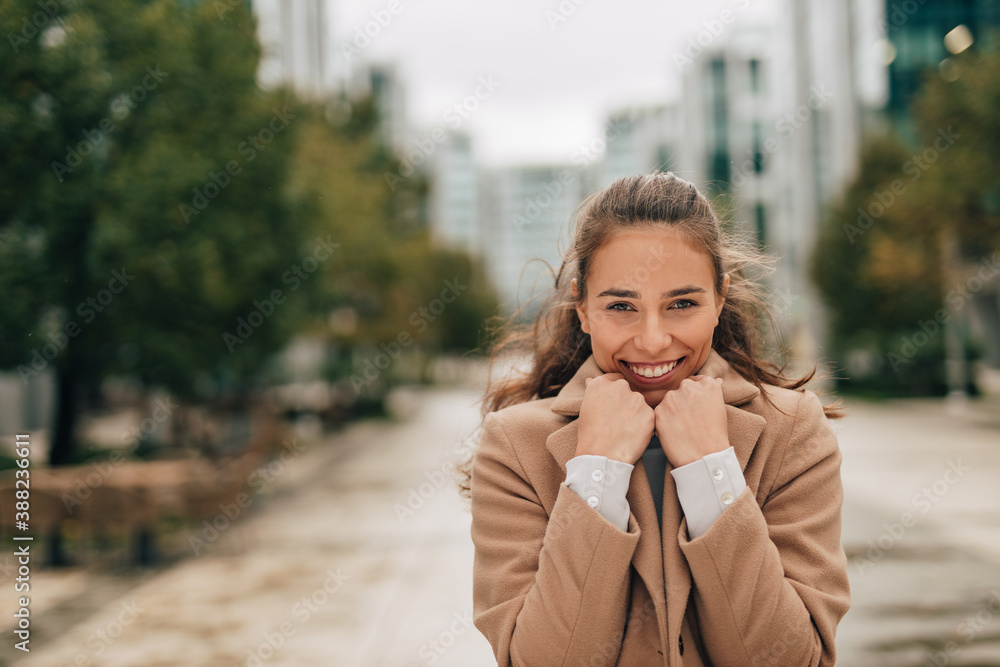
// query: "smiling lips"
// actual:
[[652, 371]]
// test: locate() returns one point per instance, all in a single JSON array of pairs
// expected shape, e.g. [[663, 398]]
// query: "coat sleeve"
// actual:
[[770, 581], [548, 590]]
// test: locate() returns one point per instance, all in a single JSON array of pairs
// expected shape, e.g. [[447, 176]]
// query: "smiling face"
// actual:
[[650, 309]]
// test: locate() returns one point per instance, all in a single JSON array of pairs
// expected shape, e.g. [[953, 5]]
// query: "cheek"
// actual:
[[615, 324], [611, 331], [608, 329], [696, 330], [709, 332]]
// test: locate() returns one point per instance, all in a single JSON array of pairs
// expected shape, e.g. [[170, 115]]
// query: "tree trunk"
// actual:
[[67, 409]]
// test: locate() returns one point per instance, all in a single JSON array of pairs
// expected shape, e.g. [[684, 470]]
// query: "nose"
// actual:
[[653, 335]]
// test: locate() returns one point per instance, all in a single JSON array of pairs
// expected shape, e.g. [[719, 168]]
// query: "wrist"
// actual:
[[585, 449], [685, 456]]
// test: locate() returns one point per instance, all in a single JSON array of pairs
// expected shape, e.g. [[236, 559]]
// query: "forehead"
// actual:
[[658, 257]]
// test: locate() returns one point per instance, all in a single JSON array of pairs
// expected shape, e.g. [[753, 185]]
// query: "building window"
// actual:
[[718, 159], [663, 160], [720, 111], [718, 170], [760, 223], [754, 76], [758, 151]]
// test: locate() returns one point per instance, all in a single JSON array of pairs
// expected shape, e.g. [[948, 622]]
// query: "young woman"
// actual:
[[651, 491]]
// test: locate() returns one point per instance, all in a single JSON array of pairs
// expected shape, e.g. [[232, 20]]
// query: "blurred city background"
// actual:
[[252, 255]]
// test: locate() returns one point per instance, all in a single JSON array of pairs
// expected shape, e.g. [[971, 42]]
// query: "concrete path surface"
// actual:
[[922, 534], [357, 553]]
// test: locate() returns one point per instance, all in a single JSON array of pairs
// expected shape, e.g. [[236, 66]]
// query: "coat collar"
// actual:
[[658, 558], [735, 389]]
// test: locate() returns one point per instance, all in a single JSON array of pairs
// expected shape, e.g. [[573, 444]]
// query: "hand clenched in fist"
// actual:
[[615, 421], [691, 420]]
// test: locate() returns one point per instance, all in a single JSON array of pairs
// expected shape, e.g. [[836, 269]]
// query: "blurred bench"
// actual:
[[133, 497]]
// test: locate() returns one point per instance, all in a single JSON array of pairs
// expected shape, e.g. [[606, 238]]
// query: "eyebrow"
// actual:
[[632, 294]]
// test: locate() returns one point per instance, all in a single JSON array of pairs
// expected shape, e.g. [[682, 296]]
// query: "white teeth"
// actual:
[[652, 371]]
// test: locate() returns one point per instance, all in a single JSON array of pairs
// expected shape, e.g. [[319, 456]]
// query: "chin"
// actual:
[[654, 396]]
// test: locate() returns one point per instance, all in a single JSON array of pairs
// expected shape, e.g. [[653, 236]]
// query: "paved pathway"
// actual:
[[321, 568], [358, 554], [922, 533]]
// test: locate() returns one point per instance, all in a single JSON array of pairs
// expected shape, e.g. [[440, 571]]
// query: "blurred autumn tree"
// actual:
[[962, 192], [877, 277], [143, 199], [382, 285], [894, 253], [162, 217]]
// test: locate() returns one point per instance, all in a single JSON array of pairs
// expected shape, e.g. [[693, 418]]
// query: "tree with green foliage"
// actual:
[[962, 190], [894, 253], [388, 274], [960, 203], [146, 224], [878, 279]]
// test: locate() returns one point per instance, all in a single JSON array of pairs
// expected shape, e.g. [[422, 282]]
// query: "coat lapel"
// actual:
[[658, 558], [561, 443]]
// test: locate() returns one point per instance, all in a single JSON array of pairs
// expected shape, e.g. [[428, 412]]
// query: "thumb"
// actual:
[[586, 382]]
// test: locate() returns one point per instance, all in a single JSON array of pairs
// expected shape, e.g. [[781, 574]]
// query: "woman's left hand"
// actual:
[[691, 420]]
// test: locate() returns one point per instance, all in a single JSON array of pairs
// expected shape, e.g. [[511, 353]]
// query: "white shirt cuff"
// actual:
[[603, 483], [706, 487]]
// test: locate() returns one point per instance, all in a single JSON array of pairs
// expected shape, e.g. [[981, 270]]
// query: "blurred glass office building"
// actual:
[[923, 35]]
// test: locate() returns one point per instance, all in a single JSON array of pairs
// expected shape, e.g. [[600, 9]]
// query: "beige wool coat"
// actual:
[[555, 584]]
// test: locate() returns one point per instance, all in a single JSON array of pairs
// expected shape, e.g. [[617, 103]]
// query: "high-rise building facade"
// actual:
[[525, 214], [923, 36], [773, 122], [454, 195], [639, 140], [293, 36]]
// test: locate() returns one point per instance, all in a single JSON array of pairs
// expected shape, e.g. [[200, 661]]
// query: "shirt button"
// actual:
[[717, 474], [597, 475], [727, 498], [593, 501]]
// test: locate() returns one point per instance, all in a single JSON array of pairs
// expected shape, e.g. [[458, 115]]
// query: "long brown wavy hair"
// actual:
[[557, 345]]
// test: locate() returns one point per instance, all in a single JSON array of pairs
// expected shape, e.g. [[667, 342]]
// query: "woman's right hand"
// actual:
[[615, 421]]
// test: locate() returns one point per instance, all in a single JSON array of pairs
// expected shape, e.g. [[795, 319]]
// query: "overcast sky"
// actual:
[[557, 79]]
